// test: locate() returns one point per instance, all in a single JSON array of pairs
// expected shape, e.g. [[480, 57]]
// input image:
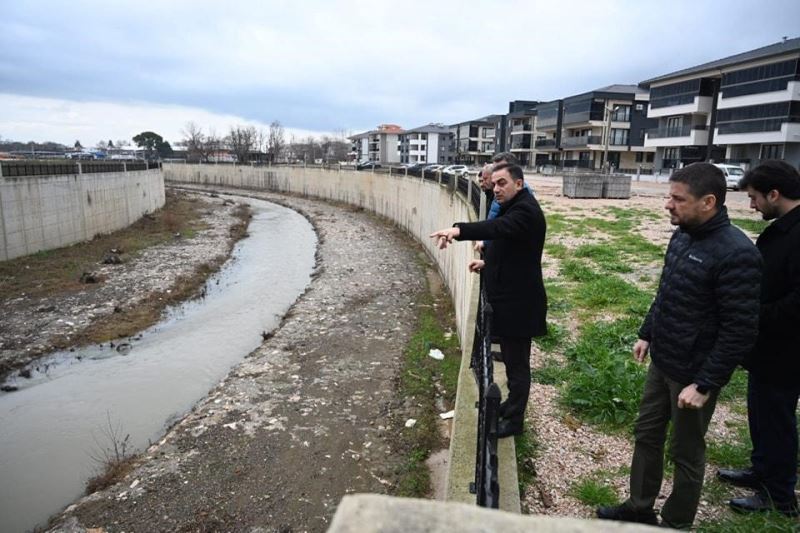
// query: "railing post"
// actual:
[[80, 169]]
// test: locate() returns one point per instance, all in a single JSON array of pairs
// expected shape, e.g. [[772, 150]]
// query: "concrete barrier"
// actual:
[[420, 207], [45, 212]]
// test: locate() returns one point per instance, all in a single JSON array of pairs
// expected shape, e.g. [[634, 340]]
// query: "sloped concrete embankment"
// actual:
[[420, 207], [46, 212]]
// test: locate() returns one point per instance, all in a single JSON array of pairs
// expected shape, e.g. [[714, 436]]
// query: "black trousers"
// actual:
[[771, 414], [516, 356]]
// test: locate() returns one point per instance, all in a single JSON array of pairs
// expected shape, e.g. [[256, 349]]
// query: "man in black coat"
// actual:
[[512, 274], [774, 365], [702, 323]]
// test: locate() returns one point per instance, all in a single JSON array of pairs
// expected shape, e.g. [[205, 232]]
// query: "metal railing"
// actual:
[[486, 486], [583, 140], [16, 169]]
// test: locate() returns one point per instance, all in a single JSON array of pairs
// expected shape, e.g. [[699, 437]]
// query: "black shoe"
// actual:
[[760, 502], [506, 428], [739, 478], [621, 513], [497, 356]]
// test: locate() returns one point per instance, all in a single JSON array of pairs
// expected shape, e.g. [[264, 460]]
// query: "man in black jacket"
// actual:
[[774, 365], [702, 323], [512, 274]]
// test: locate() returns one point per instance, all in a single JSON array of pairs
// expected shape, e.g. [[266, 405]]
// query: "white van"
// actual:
[[732, 175]]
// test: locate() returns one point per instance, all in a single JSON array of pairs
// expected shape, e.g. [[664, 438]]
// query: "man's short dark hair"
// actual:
[[505, 157], [702, 179], [773, 175], [515, 171]]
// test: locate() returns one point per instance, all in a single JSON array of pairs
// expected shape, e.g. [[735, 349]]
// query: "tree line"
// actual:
[[245, 143]]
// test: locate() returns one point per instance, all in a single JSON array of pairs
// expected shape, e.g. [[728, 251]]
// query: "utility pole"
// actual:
[[609, 111]]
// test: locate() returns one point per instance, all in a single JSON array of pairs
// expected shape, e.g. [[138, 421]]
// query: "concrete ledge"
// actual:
[[368, 513]]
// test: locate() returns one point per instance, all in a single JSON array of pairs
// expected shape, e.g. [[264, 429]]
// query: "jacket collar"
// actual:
[[719, 220], [787, 221], [517, 197]]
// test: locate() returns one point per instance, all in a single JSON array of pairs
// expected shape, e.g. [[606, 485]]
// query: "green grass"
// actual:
[[550, 373], [605, 383], [751, 225], [574, 270], [736, 389], [592, 492], [605, 256], [732, 452], [559, 302], [556, 335], [418, 382], [557, 250], [611, 293]]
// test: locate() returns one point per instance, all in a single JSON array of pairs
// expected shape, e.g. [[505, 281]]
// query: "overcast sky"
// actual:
[[108, 70]]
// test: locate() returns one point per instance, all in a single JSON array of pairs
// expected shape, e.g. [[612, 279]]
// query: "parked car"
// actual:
[[368, 165], [733, 174], [433, 168], [456, 170]]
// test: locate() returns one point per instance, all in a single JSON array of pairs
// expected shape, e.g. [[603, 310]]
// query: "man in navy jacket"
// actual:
[[512, 274], [774, 365]]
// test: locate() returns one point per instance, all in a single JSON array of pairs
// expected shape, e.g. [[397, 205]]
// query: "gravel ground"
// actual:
[[308, 417]]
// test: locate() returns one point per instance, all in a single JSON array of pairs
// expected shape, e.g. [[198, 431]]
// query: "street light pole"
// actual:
[[609, 111]]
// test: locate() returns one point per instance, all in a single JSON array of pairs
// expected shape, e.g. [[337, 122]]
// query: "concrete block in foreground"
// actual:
[[372, 513]]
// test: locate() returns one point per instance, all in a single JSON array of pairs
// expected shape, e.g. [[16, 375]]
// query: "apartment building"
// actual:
[[381, 145], [432, 143], [589, 129], [474, 140], [742, 109], [517, 131]]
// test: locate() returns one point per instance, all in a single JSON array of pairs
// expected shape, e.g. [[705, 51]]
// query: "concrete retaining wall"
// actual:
[[420, 207], [46, 212]]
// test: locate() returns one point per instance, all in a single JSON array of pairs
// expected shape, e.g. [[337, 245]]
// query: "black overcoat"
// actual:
[[776, 358], [513, 271]]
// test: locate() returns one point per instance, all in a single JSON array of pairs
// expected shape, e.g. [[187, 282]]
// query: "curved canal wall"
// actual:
[[45, 212]]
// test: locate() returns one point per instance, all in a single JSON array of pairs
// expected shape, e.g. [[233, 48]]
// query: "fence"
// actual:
[[486, 486], [18, 169]]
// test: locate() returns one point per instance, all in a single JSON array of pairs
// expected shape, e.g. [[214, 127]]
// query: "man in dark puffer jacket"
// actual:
[[702, 323]]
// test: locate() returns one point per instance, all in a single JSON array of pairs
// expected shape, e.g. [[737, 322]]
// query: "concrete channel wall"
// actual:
[[45, 212], [420, 207]]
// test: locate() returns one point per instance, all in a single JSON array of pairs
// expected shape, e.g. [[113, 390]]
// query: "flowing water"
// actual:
[[52, 426]]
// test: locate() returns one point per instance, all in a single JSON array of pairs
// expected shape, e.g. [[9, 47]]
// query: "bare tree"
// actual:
[[197, 145], [242, 140], [276, 141]]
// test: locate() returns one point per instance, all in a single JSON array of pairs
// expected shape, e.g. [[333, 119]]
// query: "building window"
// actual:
[[619, 137], [761, 79], [771, 151], [639, 107], [639, 157], [622, 114], [756, 118], [650, 157], [672, 153]]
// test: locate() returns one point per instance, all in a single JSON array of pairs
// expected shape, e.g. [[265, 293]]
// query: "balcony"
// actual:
[[521, 143], [698, 104], [585, 140], [520, 128], [686, 135], [546, 144]]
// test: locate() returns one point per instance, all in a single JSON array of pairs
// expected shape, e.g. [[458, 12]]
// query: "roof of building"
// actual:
[[430, 128], [783, 47], [485, 119], [610, 91]]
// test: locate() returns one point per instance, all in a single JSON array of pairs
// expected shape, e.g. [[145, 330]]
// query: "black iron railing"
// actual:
[[16, 169], [486, 486]]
